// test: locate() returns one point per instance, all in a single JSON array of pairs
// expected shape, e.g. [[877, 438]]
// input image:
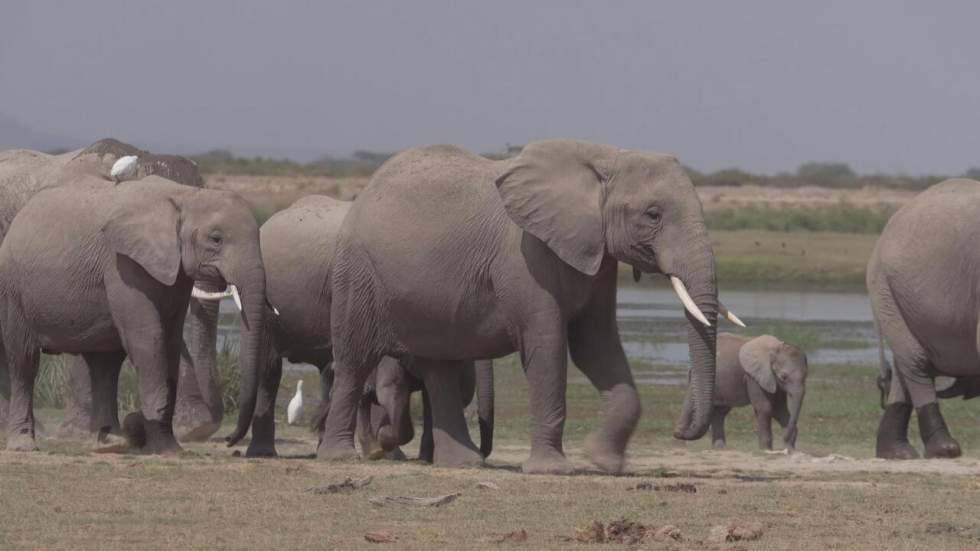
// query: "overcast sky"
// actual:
[[763, 85]]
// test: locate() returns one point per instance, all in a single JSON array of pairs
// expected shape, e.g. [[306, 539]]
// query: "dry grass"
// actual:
[[66, 497]]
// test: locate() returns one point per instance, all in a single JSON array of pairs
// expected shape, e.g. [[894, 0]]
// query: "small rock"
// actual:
[[668, 532], [347, 486], [517, 536], [381, 501], [487, 486], [380, 537], [735, 531]]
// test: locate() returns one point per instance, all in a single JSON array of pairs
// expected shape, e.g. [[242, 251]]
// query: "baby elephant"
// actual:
[[762, 371]]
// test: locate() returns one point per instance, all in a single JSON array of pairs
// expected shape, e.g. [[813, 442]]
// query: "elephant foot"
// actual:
[[892, 441], [604, 455], [551, 461], [22, 441], [718, 444], [198, 432], [455, 452], [935, 434], [329, 450], [107, 442], [150, 437], [396, 455], [373, 453], [260, 450]]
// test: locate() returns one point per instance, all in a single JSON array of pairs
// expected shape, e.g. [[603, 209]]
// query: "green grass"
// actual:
[[842, 218]]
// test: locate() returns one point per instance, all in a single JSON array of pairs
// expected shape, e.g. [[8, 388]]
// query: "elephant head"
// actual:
[[206, 235], [588, 201], [776, 365], [172, 167]]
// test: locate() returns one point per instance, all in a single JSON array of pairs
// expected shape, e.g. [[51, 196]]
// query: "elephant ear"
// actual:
[[756, 359], [554, 191], [148, 234]]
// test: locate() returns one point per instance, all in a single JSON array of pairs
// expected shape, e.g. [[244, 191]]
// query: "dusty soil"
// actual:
[[671, 498]]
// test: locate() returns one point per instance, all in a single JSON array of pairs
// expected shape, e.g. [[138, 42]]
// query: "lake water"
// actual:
[[836, 326]]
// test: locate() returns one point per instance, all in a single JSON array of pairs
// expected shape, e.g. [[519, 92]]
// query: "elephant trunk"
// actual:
[[484, 404], [204, 329], [697, 272], [794, 400], [253, 348]]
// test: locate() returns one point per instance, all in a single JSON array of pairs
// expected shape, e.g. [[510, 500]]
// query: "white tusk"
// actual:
[[686, 300], [200, 294], [728, 314], [275, 310], [236, 296]]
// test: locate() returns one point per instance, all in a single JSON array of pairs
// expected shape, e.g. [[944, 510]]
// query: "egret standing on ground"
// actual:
[[125, 168], [295, 408]]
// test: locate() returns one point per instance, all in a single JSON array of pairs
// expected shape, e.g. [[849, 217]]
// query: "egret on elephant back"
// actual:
[[448, 255]]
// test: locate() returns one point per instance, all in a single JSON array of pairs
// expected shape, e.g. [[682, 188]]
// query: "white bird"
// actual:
[[125, 168], [295, 408]]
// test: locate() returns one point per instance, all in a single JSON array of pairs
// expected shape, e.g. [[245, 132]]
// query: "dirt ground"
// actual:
[[209, 498]]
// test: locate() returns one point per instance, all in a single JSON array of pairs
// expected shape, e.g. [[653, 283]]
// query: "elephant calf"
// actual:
[[765, 372]]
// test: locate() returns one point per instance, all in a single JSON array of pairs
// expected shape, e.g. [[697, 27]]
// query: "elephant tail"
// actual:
[[484, 396], [885, 368]]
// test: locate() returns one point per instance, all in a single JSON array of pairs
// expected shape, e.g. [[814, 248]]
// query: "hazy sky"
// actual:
[[764, 85]]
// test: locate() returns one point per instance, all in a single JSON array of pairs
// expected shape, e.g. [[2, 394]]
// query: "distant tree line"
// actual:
[[364, 163]]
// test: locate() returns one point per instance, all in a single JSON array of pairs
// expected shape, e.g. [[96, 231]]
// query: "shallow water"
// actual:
[[654, 332]]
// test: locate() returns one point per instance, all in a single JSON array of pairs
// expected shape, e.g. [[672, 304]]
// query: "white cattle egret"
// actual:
[[295, 408], [125, 168]]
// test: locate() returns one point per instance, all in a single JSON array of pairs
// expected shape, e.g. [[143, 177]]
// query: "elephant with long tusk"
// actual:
[[447, 255]]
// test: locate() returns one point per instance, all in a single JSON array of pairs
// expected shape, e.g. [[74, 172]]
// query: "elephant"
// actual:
[[23, 173], [922, 277], [765, 372], [298, 287], [107, 272], [446, 255]]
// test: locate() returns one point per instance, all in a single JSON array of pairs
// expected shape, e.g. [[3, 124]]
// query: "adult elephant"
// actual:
[[923, 278], [23, 174], [298, 247], [107, 272], [447, 255]]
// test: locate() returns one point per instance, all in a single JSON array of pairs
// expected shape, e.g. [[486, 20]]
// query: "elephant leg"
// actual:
[[102, 370], [263, 442], [935, 435], [319, 420], [718, 415], [763, 407], [78, 417], [892, 440], [596, 350], [4, 388], [23, 357], [426, 445], [368, 422], [450, 436], [348, 388], [200, 405]]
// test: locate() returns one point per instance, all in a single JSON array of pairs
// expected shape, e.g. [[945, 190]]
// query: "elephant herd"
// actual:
[[445, 261]]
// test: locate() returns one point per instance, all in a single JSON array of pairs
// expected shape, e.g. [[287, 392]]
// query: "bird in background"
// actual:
[[295, 408], [125, 168]]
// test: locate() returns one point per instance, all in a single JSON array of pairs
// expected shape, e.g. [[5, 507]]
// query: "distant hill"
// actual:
[[16, 135]]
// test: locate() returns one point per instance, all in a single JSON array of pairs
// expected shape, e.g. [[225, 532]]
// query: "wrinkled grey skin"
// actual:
[[447, 255], [923, 280], [392, 390], [766, 373], [106, 272], [23, 173], [298, 247]]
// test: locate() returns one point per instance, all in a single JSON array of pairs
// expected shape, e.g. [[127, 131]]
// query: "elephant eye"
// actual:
[[655, 216], [215, 238]]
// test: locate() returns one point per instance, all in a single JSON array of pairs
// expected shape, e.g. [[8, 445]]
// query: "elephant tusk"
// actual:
[[200, 294], [236, 296], [687, 301], [731, 316]]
